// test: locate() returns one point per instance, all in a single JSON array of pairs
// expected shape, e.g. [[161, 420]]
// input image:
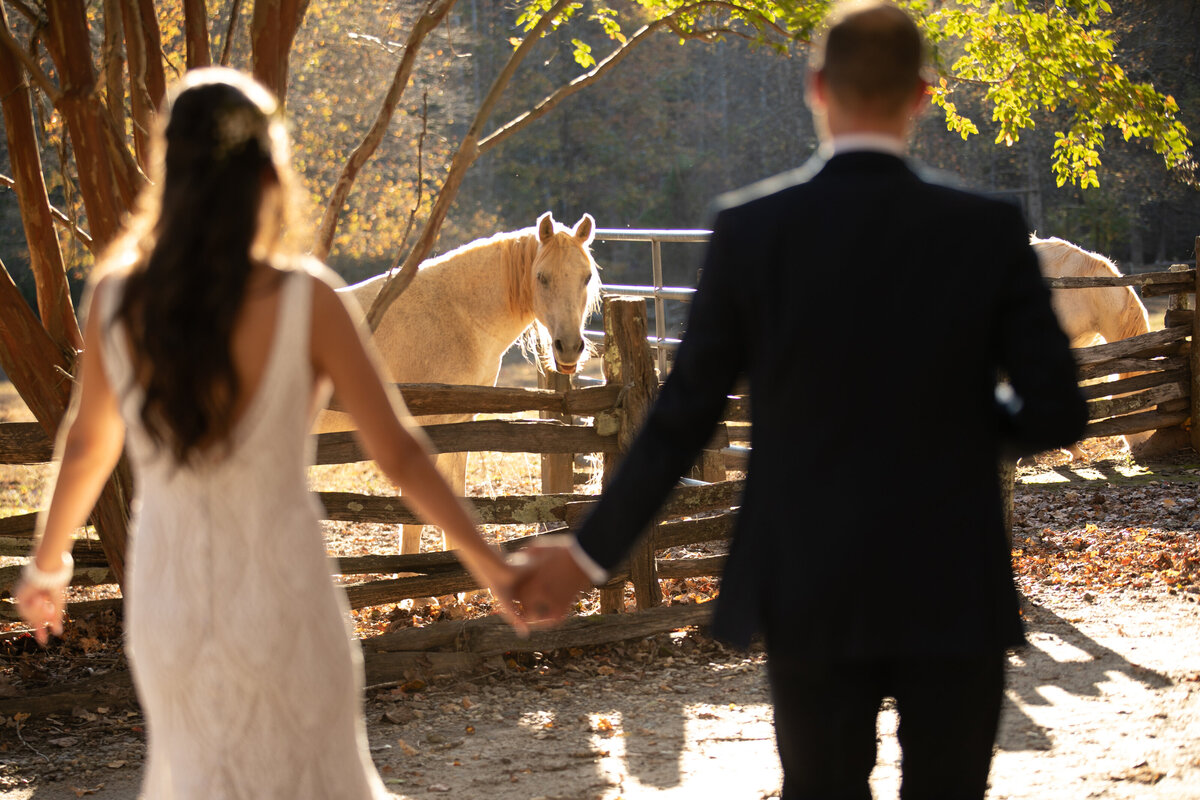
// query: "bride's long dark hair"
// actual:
[[215, 206]]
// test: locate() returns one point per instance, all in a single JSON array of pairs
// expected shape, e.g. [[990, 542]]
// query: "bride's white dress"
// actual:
[[238, 640]]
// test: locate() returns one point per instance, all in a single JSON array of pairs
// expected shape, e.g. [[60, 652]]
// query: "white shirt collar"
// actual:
[[872, 142]]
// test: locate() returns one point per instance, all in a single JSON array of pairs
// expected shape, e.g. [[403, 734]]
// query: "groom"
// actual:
[[872, 313]]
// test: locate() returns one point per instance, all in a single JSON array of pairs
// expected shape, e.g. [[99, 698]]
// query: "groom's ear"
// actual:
[[816, 92], [920, 101]]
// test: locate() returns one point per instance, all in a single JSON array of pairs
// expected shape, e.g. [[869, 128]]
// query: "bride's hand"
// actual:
[[41, 608], [502, 578]]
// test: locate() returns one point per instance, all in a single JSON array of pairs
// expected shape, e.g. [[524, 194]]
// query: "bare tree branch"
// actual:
[[472, 145], [141, 105], [131, 178], [62, 219], [610, 61], [228, 43], [466, 154], [26, 11], [581, 82], [704, 5], [416, 206], [39, 76], [435, 12]]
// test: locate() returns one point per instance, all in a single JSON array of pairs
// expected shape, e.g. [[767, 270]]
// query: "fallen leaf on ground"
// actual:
[[1140, 773]]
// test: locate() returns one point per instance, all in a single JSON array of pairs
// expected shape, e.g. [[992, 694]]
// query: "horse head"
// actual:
[[566, 288]]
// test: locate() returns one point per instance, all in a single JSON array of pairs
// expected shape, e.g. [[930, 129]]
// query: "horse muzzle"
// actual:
[[564, 350]]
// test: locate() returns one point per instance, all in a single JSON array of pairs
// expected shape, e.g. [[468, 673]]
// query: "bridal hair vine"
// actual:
[[236, 127]]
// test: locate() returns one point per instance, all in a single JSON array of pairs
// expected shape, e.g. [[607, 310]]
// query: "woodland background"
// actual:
[[648, 147]]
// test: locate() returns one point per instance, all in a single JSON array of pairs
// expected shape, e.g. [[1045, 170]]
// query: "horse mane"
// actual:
[[517, 251], [1133, 318]]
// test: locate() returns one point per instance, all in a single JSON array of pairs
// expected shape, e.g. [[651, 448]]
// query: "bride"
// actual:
[[209, 351]]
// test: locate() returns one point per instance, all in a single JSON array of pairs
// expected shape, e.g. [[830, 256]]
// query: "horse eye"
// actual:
[[543, 279]]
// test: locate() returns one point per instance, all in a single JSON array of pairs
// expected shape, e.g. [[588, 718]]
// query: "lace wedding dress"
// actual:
[[237, 638]]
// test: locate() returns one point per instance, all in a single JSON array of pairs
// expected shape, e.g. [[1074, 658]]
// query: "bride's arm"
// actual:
[[89, 445], [341, 351]]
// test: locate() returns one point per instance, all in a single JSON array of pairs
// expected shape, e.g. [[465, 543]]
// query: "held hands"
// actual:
[[548, 580], [499, 576]]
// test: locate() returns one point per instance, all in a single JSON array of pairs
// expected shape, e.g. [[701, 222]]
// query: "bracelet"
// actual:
[[49, 581]]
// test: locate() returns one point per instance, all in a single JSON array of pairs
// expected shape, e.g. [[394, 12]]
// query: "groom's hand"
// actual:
[[549, 580]]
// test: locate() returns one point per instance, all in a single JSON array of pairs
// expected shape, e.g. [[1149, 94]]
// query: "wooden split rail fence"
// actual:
[[615, 410], [1158, 371], [1161, 370]]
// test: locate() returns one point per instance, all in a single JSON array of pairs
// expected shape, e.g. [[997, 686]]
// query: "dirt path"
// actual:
[[1105, 703]]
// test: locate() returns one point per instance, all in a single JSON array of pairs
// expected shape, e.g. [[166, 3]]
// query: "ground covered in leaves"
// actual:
[[1104, 703]]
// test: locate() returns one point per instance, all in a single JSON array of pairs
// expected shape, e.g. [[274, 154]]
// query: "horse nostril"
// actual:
[[558, 345], [579, 349]]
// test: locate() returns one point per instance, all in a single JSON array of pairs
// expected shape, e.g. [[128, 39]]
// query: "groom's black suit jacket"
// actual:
[[871, 312]]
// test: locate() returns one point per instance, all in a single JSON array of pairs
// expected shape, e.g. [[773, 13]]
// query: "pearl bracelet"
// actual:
[[49, 581]]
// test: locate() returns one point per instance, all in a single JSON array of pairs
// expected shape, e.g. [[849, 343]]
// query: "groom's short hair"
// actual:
[[871, 55]]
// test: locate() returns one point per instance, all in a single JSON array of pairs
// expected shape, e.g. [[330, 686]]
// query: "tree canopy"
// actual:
[[1025, 56]]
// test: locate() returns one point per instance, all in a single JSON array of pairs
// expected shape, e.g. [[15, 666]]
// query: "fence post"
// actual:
[[1180, 309], [558, 469], [1194, 361], [629, 364], [710, 466]]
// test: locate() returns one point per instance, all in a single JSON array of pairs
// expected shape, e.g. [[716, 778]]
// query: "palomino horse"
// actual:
[[1088, 315], [465, 309], [1085, 314]]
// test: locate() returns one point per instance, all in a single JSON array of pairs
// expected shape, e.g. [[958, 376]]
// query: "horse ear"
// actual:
[[545, 227], [585, 229]]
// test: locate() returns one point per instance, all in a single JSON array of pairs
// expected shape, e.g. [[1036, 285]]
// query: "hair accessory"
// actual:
[[238, 126], [49, 581]]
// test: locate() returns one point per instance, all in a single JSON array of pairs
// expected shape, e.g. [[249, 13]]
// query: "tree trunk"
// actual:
[[195, 23], [45, 255], [36, 366], [147, 85], [114, 62], [42, 375], [69, 44], [273, 27]]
